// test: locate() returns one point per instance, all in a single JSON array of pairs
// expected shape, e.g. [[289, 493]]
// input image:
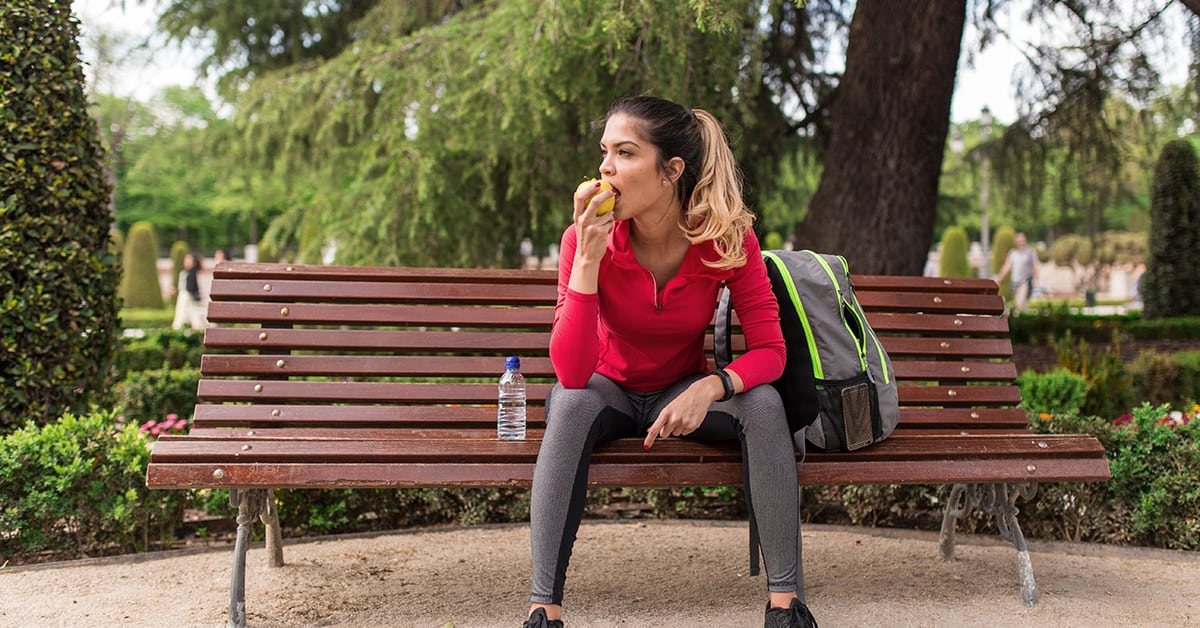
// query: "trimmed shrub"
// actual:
[[151, 395], [1057, 392], [58, 295], [1002, 243], [179, 250], [161, 348], [77, 486], [1155, 378], [1189, 374], [139, 284], [773, 241], [1168, 286], [954, 253], [1110, 391]]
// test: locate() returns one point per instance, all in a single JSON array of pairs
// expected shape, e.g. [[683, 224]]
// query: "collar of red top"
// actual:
[[620, 246]]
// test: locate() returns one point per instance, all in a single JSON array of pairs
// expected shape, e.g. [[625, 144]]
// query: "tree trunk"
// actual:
[[877, 200]]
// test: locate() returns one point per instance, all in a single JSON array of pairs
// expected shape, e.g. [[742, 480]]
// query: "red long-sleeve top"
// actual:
[[646, 337]]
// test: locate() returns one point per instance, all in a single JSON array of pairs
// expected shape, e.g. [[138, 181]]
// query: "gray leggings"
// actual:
[[578, 419]]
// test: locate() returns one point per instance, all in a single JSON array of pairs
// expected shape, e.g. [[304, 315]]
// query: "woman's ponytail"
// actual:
[[717, 211]]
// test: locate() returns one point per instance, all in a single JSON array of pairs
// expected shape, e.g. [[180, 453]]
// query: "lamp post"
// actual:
[[985, 120]]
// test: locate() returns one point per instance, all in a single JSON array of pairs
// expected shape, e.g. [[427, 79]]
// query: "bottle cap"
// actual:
[[512, 362]]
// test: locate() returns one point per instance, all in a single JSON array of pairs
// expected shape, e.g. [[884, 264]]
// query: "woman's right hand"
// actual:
[[591, 231]]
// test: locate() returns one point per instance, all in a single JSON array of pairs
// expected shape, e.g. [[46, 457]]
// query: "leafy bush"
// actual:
[[1109, 386], [139, 283], [1057, 392], [1155, 377], [152, 395], [77, 486], [1002, 243], [162, 348], [59, 281], [954, 253], [1189, 374], [1054, 322], [147, 318], [1168, 286], [179, 250]]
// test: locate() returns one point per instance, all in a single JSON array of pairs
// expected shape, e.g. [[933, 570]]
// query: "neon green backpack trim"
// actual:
[[795, 297]]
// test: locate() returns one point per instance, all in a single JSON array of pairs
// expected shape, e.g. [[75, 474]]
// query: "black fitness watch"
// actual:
[[726, 381]]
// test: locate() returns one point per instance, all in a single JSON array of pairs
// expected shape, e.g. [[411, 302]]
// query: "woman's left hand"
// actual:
[[687, 411]]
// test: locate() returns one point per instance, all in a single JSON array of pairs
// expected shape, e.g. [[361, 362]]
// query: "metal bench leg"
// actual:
[[251, 505], [998, 500]]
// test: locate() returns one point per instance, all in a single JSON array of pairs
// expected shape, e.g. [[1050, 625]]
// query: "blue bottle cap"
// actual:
[[512, 362]]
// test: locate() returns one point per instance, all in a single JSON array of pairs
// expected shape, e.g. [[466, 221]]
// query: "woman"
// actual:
[[636, 291]]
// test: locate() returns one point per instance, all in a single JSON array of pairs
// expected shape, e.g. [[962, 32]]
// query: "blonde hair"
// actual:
[[717, 210], [710, 186]]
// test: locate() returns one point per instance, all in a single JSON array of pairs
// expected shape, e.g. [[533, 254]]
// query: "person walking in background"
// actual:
[[637, 288], [189, 304], [1022, 261]]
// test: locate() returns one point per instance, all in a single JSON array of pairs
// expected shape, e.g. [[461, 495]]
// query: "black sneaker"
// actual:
[[795, 616], [538, 620]]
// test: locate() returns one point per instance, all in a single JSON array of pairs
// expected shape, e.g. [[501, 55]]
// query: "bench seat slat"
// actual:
[[367, 314], [814, 472], [263, 390], [338, 291], [473, 451], [485, 431], [486, 366], [254, 271], [350, 418]]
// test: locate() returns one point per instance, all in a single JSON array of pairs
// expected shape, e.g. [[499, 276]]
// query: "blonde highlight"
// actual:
[[717, 210]]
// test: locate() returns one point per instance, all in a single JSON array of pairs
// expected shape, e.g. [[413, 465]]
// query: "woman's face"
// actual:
[[630, 163]]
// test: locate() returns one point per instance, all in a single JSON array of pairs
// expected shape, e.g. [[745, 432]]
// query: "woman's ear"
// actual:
[[674, 168]]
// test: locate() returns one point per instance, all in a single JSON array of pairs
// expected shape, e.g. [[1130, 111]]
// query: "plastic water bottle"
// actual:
[[510, 420]]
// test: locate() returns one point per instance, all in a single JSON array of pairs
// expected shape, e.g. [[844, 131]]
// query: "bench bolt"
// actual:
[[275, 412], [246, 448], [258, 388], [266, 287], [281, 364], [218, 474], [262, 336], [284, 312], [1031, 468]]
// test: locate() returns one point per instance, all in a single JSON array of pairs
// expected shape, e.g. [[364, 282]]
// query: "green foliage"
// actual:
[[449, 144], [1109, 384], [1057, 392], [1002, 243], [1189, 375], [1168, 287], [153, 394], [954, 253], [268, 251], [179, 250], [147, 318], [57, 279], [158, 349], [139, 283], [1056, 321], [1155, 378], [116, 242], [77, 486], [773, 241]]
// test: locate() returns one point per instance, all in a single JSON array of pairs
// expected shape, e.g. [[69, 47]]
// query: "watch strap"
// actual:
[[726, 381]]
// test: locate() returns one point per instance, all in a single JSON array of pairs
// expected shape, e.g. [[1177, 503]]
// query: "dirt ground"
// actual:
[[639, 573]]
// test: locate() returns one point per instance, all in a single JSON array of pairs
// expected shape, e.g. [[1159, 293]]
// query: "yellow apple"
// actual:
[[589, 189]]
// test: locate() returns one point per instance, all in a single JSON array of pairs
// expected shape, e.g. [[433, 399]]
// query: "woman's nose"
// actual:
[[606, 167]]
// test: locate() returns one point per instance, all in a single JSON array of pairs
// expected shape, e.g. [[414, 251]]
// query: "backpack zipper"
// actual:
[[883, 362]]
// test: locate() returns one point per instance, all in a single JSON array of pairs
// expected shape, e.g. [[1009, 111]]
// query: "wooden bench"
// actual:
[[324, 377]]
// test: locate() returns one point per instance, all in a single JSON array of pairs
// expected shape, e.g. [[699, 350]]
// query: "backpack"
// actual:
[[838, 386]]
